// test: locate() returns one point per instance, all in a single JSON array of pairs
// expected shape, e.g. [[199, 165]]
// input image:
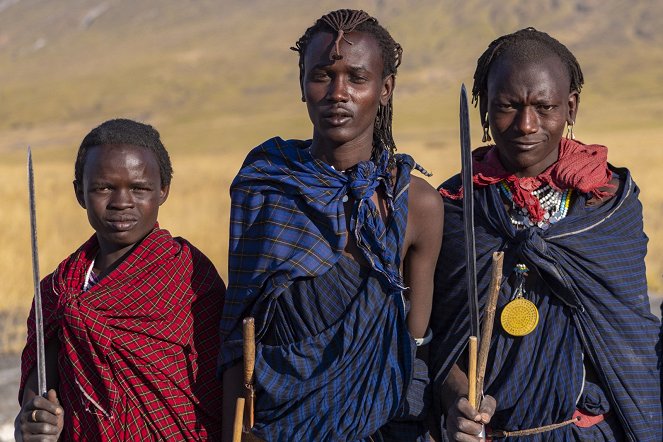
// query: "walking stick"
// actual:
[[244, 418], [488, 321], [249, 335]]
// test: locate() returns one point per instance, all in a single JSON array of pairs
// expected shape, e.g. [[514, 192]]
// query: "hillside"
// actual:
[[193, 64]]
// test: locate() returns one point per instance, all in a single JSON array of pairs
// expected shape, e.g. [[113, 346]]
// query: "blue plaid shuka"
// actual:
[[593, 304], [334, 359]]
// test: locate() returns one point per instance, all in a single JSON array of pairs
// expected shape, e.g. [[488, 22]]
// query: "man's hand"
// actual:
[[40, 419], [464, 423]]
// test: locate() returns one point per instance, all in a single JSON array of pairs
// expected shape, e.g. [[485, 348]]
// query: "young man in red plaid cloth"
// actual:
[[130, 318]]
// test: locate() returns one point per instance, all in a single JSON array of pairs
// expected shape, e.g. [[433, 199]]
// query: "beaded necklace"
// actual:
[[520, 316], [555, 205]]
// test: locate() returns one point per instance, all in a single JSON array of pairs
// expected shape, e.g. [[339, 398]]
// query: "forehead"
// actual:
[[120, 159], [547, 75], [364, 51]]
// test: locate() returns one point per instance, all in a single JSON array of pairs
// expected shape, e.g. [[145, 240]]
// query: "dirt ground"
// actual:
[[9, 378]]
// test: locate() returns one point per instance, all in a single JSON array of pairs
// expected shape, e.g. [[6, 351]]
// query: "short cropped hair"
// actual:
[[125, 131], [527, 45]]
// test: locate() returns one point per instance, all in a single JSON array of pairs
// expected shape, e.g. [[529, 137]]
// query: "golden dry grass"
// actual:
[[198, 205], [214, 91]]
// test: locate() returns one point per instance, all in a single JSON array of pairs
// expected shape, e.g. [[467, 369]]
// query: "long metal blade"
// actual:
[[39, 317], [468, 213]]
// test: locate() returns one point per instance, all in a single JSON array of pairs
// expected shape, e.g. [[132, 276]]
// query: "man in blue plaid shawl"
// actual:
[[332, 250], [570, 227]]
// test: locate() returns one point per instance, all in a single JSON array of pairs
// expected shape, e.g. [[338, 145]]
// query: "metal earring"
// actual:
[[486, 136], [569, 132]]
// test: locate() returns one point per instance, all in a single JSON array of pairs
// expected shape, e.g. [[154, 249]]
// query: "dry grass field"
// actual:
[[216, 78]]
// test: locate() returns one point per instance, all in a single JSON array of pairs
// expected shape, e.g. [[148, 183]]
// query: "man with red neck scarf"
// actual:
[[130, 318], [572, 357]]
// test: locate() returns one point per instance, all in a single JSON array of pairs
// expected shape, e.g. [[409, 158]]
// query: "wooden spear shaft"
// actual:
[[472, 372], [244, 406], [249, 336], [237, 424], [488, 321]]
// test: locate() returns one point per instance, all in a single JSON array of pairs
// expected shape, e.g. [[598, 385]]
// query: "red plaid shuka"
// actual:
[[138, 350]]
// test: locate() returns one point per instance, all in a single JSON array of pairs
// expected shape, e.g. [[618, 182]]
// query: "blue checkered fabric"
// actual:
[[336, 364], [287, 221], [593, 303]]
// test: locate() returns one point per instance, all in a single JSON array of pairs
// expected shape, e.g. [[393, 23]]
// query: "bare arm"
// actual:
[[453, 388], [423, 242], [232, 389]]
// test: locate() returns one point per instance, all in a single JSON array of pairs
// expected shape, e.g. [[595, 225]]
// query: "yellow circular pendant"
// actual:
[[519, 317]]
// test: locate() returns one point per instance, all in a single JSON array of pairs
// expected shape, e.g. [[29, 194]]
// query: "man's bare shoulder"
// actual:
[[425, 221], [424, 200]]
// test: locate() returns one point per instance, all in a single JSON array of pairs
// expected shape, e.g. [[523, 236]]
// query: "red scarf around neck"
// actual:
[[583, 167]]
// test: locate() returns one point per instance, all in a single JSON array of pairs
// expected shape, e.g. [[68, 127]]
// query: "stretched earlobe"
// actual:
[[379, 117], [574, 102], [485, 124], [569, 131], [486, 134]]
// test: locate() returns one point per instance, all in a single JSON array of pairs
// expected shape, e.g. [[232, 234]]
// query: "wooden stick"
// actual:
[[488, 321], [472, 372], [239, 416], [249, 335]]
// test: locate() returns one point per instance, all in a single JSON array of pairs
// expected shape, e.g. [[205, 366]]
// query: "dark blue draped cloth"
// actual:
[[337, 363], [592, 299], [334, 363]]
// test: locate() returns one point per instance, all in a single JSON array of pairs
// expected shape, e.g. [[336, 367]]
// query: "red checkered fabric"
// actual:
[[583, 167], [138, 350]]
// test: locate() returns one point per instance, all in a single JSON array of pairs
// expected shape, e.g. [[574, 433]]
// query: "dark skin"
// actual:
[[514, 125], [48, 413], [342, 98], [528, 105], [121, 191]]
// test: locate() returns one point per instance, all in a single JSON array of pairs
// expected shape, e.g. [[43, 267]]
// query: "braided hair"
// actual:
[[124, 131], [343, 22], [527, 45]]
